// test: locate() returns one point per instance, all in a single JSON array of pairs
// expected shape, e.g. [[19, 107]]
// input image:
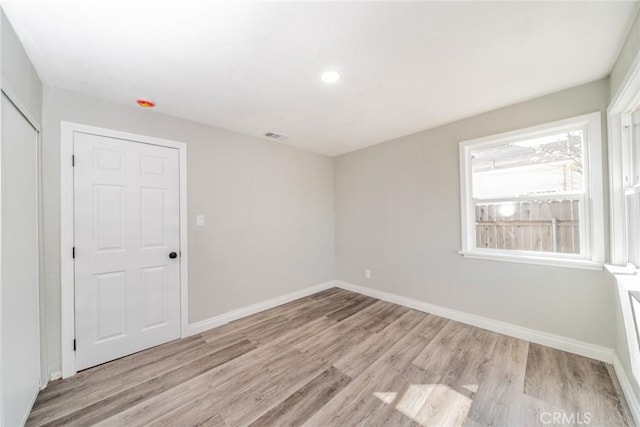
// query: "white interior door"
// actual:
[[127, 237], [19, 290]]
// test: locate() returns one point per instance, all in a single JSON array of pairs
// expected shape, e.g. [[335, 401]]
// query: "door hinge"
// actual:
[[73, 252], [74, 345], [73, 160]]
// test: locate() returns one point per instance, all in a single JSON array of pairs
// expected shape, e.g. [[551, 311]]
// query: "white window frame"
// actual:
[[591, 216], [620, 163]]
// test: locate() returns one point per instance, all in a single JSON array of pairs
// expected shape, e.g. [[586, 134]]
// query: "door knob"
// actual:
[[173, 255]]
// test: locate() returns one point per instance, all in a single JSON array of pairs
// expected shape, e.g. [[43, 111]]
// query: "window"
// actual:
[[632, 185], [535, 195], [624, 172]]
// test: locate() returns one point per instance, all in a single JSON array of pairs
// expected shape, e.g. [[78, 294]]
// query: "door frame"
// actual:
[[67, 278]]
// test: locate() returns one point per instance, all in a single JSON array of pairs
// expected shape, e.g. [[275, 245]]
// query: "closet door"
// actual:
[[20, 325]]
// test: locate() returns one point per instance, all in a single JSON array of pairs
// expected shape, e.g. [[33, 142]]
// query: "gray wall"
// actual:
[[398, 214], [19, 78], [626, 56], [269, 209]]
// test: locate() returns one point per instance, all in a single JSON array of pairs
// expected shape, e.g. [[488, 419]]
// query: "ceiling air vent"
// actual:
[[274, 135]]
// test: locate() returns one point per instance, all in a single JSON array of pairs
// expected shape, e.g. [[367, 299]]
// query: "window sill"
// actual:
[[622, 270], [627, 277], [538, 260]]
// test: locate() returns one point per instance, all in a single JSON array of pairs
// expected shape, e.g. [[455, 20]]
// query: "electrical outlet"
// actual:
[[200, 220], [367, 274]]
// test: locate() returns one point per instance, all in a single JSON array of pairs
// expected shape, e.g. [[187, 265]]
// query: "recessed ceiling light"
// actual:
[[330, 76], [145, 103]]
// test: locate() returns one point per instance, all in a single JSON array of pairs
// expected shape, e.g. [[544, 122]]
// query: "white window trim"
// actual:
[[592, 217], [620, 161]]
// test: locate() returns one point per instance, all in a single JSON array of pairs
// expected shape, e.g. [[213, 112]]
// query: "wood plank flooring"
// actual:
[[338, 358]]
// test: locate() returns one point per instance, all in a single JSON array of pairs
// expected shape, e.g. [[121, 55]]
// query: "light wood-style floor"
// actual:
[[338, 358]]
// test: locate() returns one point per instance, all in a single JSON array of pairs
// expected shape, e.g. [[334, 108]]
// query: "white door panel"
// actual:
[[126, 223], [20, 364]]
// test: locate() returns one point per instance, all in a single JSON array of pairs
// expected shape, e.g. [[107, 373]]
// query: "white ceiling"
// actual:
[[254, 67]]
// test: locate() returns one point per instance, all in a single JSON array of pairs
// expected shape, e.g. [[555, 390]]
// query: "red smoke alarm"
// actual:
[[146, 103]]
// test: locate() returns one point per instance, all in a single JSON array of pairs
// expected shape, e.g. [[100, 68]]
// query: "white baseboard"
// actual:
[[33, 401], [627, 388], [570, 345], [214, 322]]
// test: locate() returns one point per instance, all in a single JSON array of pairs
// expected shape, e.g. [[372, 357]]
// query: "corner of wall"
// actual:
[[20, 80], [628, 55]]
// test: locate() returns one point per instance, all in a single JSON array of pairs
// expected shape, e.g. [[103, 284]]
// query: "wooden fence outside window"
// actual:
[[532, 225]]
